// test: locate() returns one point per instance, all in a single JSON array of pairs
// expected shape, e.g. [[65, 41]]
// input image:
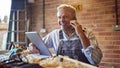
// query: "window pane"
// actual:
[[5, 6]]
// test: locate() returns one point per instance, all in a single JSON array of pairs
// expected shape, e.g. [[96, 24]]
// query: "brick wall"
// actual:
[[98, 15]]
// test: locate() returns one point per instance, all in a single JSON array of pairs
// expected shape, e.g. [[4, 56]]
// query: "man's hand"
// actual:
[[77, 26], [78, 29], [33, 49]]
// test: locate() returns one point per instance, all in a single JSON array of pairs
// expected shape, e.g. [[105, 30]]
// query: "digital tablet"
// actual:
[[35, 38]]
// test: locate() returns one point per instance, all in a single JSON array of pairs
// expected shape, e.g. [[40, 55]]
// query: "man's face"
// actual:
[[64, 17]]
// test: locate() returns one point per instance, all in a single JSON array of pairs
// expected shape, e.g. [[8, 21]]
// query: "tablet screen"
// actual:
[[35, 38]]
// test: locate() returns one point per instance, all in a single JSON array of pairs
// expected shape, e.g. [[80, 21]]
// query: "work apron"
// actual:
[[71, 48]]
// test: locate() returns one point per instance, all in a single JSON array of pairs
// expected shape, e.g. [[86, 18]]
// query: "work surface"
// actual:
[[51, 61]]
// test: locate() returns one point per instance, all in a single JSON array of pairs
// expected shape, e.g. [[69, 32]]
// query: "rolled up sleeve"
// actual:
[[94, 55]]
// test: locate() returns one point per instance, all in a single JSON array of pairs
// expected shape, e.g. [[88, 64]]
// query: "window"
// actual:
[[5, 6]]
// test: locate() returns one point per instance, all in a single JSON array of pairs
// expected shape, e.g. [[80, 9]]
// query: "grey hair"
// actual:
[[69, 7]]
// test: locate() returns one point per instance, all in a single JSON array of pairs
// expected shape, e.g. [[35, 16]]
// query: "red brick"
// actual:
[[112, 38], [105, 33], [105, 51], [116, 51], [100, 38], [107, 60], [104, 42], [116, 60], [116, 43], [112, 55]]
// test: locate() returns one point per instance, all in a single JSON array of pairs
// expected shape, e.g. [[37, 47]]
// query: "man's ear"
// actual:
[[59, 23], [74, 18]]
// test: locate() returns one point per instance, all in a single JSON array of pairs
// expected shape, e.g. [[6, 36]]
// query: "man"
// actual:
[[71, 40]]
